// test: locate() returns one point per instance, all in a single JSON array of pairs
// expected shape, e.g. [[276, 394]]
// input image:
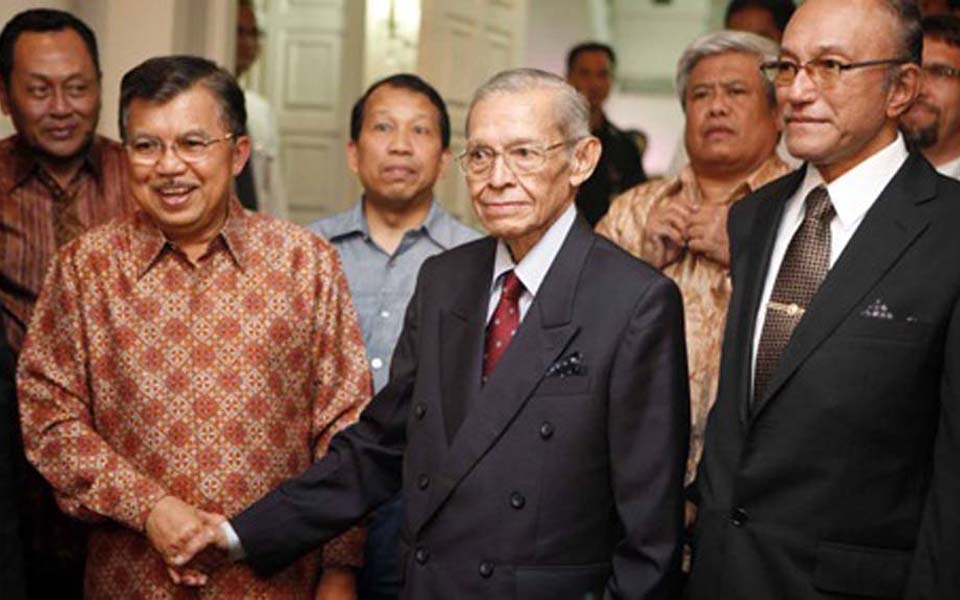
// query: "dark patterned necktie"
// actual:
[[504, 324], [803, 269]]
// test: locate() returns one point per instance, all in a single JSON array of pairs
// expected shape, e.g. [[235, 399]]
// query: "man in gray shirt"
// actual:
[[399, 147]]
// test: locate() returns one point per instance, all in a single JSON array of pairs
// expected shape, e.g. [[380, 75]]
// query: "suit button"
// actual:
[[546, 430], [419, 410], [423, 481], [517, 500], [738, 517], [421, 556], [486, 569]]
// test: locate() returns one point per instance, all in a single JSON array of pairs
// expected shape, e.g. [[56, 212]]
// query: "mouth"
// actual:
[[175, 195], [398, 172], [61, 133], [718, 132]]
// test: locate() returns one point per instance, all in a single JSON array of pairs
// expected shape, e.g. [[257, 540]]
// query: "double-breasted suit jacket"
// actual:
[[560, 477], [842, 481]]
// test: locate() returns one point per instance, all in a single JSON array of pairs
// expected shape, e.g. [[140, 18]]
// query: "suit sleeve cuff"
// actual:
[[234, 548]]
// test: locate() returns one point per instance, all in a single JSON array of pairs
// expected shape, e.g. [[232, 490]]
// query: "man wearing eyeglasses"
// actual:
[[830, 465], [536, 414], [189, 357], [933, 122]]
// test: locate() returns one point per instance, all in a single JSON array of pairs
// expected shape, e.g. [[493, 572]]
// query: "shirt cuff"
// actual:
[[234, 548]]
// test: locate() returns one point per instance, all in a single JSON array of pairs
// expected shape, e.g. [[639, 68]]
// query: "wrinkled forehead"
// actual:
[[504, 118]]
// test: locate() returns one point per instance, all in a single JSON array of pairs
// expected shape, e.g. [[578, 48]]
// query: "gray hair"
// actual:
[[719, 42], [572, 113]]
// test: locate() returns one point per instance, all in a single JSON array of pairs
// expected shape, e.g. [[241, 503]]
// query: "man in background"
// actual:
[[260, 184], [679, 225], [933, 122], [399, 147], [591, 70], [57, 179]]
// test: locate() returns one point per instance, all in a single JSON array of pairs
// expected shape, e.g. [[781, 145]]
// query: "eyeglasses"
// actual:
[[520, 158], [825, 72], [192, 148], [941, 72]]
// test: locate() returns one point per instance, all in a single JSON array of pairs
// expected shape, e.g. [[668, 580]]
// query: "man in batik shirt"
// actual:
[[679, 225], [190, 357]]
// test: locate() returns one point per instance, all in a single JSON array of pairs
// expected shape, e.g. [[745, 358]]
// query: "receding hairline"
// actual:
[[511, 93]]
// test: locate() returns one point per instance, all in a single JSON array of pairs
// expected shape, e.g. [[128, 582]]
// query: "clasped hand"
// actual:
[[188, 539], [674, 227]]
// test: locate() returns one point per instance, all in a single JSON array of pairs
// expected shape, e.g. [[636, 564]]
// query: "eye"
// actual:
[[421, 130], [144, 146], [77, 89], [192, 143], [830, 64], [381, 127], [39, 91], [480, 153], [523, 152]]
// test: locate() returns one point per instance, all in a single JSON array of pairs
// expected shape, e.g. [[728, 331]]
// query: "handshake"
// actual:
[[190, 540]]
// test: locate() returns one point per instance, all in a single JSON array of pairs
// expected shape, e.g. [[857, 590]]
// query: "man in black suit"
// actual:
[[536, 415], [830, 467]]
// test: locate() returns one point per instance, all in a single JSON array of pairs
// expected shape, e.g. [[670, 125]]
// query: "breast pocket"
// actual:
[[885, 330], [569, 385]]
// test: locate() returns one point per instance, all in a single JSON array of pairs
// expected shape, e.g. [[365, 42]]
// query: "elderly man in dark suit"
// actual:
[[536, 417], [831, 460]]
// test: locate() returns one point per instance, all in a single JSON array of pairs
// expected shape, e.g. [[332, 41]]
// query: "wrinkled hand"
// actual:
[[202, 554], [665, 233], [337, 583], [707, 232]]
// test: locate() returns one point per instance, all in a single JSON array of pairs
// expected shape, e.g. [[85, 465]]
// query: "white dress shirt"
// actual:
[[533, 267], [950, 168], [852, 194], [531, 271]]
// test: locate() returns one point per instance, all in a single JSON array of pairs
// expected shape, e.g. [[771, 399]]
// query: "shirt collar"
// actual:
[[149, 242], [25, 164], [951, 168], [766, 172], [853, 193], [353, 222], [534, 266]]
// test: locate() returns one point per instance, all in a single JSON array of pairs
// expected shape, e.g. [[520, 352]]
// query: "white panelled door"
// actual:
[[463, 43], [310, 71]]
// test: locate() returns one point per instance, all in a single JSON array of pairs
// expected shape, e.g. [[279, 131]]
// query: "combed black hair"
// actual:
[[404, 81], [42, 20], [579, 49]]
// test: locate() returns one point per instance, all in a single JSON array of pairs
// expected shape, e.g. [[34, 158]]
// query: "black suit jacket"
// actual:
[[844, 481], [531, 486]]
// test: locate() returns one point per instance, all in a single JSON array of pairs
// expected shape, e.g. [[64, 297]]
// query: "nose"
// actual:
[[719, 104], [801, 90], [500, 173], [400, 141], [170, 162], [59, 103]]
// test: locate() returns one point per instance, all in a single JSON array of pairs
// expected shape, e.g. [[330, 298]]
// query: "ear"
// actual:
[[904, 90], [584, 160], [445, 157], [4, 99], [241, 154], [352, 160]]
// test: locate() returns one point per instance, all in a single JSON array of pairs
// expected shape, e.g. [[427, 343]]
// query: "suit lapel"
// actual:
[[546, 330], [748, 292], [462, 329], [887, 230]]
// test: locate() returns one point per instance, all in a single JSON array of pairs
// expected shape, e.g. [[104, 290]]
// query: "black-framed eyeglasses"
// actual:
[[824, 72], [521, 158], [941, 71], [147, 150]]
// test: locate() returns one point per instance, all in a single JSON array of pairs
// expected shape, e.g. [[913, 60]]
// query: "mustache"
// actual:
[[173, 185]]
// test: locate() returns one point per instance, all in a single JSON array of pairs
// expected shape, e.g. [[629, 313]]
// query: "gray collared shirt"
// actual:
[[381, 284]]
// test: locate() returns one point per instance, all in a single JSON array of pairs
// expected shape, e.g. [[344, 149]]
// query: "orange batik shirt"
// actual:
[[144, 375], [704, 284]]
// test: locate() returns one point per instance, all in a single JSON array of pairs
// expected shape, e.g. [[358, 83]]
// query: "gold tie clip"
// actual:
[[792, 310]]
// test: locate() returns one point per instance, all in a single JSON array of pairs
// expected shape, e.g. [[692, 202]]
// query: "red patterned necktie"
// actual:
[[504, 324], [804, 267]]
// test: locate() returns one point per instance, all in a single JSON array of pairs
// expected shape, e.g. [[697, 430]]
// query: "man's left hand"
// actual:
[[337, 583], [707, 232]]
